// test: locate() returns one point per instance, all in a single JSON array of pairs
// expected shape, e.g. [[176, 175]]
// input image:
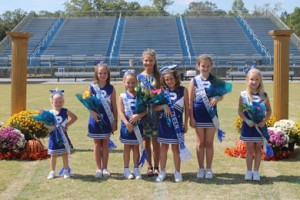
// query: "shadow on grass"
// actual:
[[234, 179], [91, 150], [219, 179]]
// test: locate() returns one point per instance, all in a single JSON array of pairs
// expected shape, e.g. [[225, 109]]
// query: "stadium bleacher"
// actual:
[[80, 41]]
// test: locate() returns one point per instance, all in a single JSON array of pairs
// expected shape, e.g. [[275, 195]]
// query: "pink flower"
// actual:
[[155, 91]]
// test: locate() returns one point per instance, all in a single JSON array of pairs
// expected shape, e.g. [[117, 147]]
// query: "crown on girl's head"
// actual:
[[56, 91], [169, 68], [99, 62], [127, 71], [149, 52], [249, 68]]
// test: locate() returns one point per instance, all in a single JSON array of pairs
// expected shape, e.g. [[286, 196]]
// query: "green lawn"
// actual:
[[27, 179]]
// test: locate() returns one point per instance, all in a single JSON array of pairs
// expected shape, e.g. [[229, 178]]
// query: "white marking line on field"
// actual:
[[161, 191], [16, 186]]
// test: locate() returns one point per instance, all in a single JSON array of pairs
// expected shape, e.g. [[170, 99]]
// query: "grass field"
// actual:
[[27, 179]]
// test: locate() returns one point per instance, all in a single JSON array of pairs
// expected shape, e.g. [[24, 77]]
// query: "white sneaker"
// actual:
[[256, 176], [51, 175], [201, 173], [66, 173], [98, 173], [127, 173], [177, 176], [208, 174], [248, 176], [137, 174], [161, 176], [105, 173]]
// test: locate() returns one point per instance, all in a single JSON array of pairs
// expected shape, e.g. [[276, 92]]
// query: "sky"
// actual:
[[179, 6]]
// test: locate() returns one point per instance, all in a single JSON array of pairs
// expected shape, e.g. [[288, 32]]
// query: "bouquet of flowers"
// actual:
[[290, 128], [257, 112], [45, 117], [28, 126], [92, 103], [11, 139], [219, 87]]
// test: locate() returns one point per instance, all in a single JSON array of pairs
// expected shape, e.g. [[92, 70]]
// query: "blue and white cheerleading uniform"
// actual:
[[250, 134], [55, 145], [125, 136], [167, 134], [151, 120], [93, 126], [201, 116]]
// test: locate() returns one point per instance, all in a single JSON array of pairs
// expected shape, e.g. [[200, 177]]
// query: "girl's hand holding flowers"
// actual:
[[129, 127], [134, 119], [94, 115], [167, 110], [262, 123]]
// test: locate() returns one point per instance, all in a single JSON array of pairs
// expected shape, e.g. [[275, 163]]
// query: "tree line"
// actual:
[[81, 8]]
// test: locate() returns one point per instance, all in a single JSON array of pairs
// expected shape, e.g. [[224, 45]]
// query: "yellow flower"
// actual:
[[86, 94]]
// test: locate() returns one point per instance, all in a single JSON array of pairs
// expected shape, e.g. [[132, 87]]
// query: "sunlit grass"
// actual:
[[27, 180]]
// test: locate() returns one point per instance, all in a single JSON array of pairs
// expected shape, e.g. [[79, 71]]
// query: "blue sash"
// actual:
[[185, 153]]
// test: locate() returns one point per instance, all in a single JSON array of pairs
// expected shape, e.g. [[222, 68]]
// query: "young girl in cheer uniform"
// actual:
[[178, 99], [131, 128], [102, 89]]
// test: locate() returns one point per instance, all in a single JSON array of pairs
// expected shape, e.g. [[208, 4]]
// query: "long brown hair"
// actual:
[[176, 76], [99, 65], [156, 74]]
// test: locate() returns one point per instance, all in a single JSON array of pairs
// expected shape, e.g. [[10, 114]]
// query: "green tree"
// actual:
[[238, 7], [292, 20], [79, 7], [161, 5], [9, 20], [203, 9]]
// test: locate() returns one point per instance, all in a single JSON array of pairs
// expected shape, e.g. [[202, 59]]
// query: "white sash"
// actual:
[[246, 101], [129, 113], [104, 103], [204, 97]]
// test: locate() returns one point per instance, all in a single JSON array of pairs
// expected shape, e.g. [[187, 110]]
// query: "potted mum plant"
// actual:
[[290, 128]]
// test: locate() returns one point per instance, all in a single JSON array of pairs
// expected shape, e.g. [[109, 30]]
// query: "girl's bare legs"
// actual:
[[257, 155], [126, 155], [250, 151], [200, 133], [209, 146], [53, 162], [136, 155], [163, 156], [176, 157], [156, 154], [105, 152], [97, 153], [65, 160], [147, 145]]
